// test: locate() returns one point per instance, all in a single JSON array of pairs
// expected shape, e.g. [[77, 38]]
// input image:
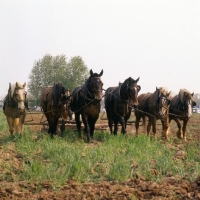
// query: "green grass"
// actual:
[[111, 158]]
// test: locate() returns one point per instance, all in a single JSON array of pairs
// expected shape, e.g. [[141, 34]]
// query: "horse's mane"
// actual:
[[181, 94], [163, 90], [57, 90], [86, 86], [13, 86]]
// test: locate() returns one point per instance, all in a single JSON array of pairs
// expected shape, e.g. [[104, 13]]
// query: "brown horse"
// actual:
[[86, 102], [119, 102], [15, 106], [181, 110], [54, 102], [154, 106]]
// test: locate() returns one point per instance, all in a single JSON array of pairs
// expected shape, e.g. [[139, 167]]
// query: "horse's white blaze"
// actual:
[[21, 99], [190, 109]]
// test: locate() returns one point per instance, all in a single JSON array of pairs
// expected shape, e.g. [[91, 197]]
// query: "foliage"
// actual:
[[52, 69]]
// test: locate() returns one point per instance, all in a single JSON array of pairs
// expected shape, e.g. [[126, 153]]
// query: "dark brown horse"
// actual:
[[86, 102], [15, 107], [181, 110], [54, 102], [154, 106], [119, 102]]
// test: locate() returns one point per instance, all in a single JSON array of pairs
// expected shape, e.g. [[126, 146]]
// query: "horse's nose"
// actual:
[[21, 106], [98, 98], [135, 105]]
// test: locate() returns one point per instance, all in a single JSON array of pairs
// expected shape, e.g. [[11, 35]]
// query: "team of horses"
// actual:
[[85, 101]]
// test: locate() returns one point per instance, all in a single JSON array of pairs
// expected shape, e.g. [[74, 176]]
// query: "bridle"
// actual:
[[15, 93], [91, 93], [135, 88], [96, 81]]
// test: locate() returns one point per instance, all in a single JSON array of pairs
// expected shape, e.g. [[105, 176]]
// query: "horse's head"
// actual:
[[66, 98], [18, 95], [162, 96], [187, 101], [96, 85], [58, 94], [129, 91]]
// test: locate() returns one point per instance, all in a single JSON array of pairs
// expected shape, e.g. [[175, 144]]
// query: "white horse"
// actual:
[[15, 106]]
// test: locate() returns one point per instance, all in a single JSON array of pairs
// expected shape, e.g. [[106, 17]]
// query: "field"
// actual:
[[34, 166]]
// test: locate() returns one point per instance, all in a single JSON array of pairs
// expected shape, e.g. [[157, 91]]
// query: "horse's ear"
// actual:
[[192, 94], [24, 84], [157, 93], [139, 87], [101, 73], [137, 79], [91, 72]]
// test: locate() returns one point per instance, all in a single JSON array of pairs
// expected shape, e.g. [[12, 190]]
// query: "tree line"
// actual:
[[51, 69]]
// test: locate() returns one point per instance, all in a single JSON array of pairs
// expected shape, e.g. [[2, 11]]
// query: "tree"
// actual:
[[197, 98], [76, 72], [51, 69]]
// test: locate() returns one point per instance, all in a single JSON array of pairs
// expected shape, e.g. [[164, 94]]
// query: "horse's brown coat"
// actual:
[[86, 102], [54, 102], [154, 106], [181, 110], [119, 102]]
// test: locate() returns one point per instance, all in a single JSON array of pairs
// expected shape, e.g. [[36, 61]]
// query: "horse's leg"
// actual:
[[179, 132], [154, 126], [115, 127], [144, 121], [110, 122], [78, 124], [62, 127], [184, 129], [87, 128], [16, 125], [21, 123], [165, 127], [149, 126], [137, 123], [122, 122], [52, 125], [91, 123], [49, 128], [10, 124], [55, 125]]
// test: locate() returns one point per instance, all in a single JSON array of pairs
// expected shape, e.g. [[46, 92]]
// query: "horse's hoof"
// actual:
[[179, 135], [184, 139]]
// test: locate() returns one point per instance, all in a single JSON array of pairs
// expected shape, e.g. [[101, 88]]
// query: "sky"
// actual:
[[158, 41]]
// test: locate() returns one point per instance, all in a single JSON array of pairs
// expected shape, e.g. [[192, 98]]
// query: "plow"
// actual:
[[38, 119]]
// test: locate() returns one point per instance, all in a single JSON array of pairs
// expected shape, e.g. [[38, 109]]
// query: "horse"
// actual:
[[15, 107], [181, 110], [119, 102], [153, 106], [54, 102], [86, 102]]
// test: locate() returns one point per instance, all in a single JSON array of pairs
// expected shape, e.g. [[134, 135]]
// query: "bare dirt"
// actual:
[[135, 188]]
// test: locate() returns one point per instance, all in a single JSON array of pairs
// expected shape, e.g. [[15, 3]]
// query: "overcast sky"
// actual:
[[158, 41]]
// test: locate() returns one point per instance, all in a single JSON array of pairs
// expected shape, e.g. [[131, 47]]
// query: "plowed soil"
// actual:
[[135, 188]]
